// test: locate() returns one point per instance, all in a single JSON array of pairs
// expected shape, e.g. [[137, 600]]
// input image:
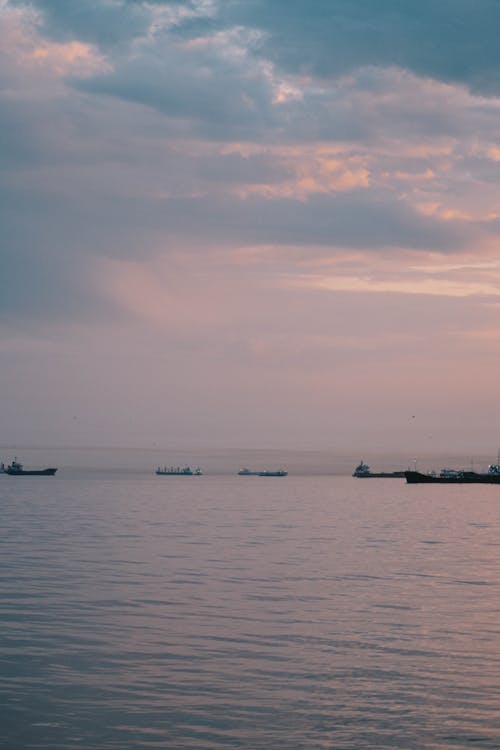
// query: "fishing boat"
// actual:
[[16, 469], [177, 471], [362, 471]]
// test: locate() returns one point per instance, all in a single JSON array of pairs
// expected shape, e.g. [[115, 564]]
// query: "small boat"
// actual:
[[16, 469], [278, 473], [177, 471], [362, 471], [247, 473]]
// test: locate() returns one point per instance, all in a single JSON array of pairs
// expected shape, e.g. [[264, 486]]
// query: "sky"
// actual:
[[250, 223]]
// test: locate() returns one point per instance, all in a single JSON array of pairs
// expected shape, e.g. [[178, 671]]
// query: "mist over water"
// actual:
[[312, 611]]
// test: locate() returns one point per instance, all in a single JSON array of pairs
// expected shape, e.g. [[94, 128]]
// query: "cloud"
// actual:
[[181, 128], [449, 40], [410, 285], [221, 78], [218, 88], [97, 21], [353, 219]]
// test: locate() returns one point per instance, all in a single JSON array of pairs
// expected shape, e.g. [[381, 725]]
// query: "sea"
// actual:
[[277, 613]]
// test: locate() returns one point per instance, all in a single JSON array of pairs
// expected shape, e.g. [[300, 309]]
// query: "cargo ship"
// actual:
[[16, 469], [177, 471], [362, 471], [455, 476], [266, 473], [278, 473]]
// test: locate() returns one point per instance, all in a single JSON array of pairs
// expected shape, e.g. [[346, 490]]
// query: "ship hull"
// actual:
[[466, 477], [178, 473], [273, 473], [380, 475], [34, 473]]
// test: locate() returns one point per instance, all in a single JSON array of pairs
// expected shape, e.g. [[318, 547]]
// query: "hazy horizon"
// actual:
[[119, 462]]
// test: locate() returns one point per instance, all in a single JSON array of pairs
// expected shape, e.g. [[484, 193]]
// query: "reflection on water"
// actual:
[[213, 612]]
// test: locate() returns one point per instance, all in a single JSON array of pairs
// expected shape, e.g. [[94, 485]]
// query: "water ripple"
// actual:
[[316, 613]]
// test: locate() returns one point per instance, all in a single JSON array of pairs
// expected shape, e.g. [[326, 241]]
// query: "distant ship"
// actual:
[[251, 473], [16, 469], [177, 471], [363, 471], [278, 473], [455, 476]]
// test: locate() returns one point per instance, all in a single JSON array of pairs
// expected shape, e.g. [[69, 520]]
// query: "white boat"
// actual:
[[177, 471]]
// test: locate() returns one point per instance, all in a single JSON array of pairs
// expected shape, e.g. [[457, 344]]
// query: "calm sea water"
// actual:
[[243, 612]]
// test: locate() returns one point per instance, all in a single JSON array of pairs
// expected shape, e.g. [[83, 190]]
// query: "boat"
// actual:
[[362, 471], [16, 469], [455, 476], [266, 473], [177, 471]]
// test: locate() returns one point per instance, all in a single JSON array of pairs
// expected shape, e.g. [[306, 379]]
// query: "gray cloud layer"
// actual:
[[86, 176], [451, 40]]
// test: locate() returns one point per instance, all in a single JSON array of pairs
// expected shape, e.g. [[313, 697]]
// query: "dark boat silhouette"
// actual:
[[362, 471], [278, 473], [16, 469], [455, 476]]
